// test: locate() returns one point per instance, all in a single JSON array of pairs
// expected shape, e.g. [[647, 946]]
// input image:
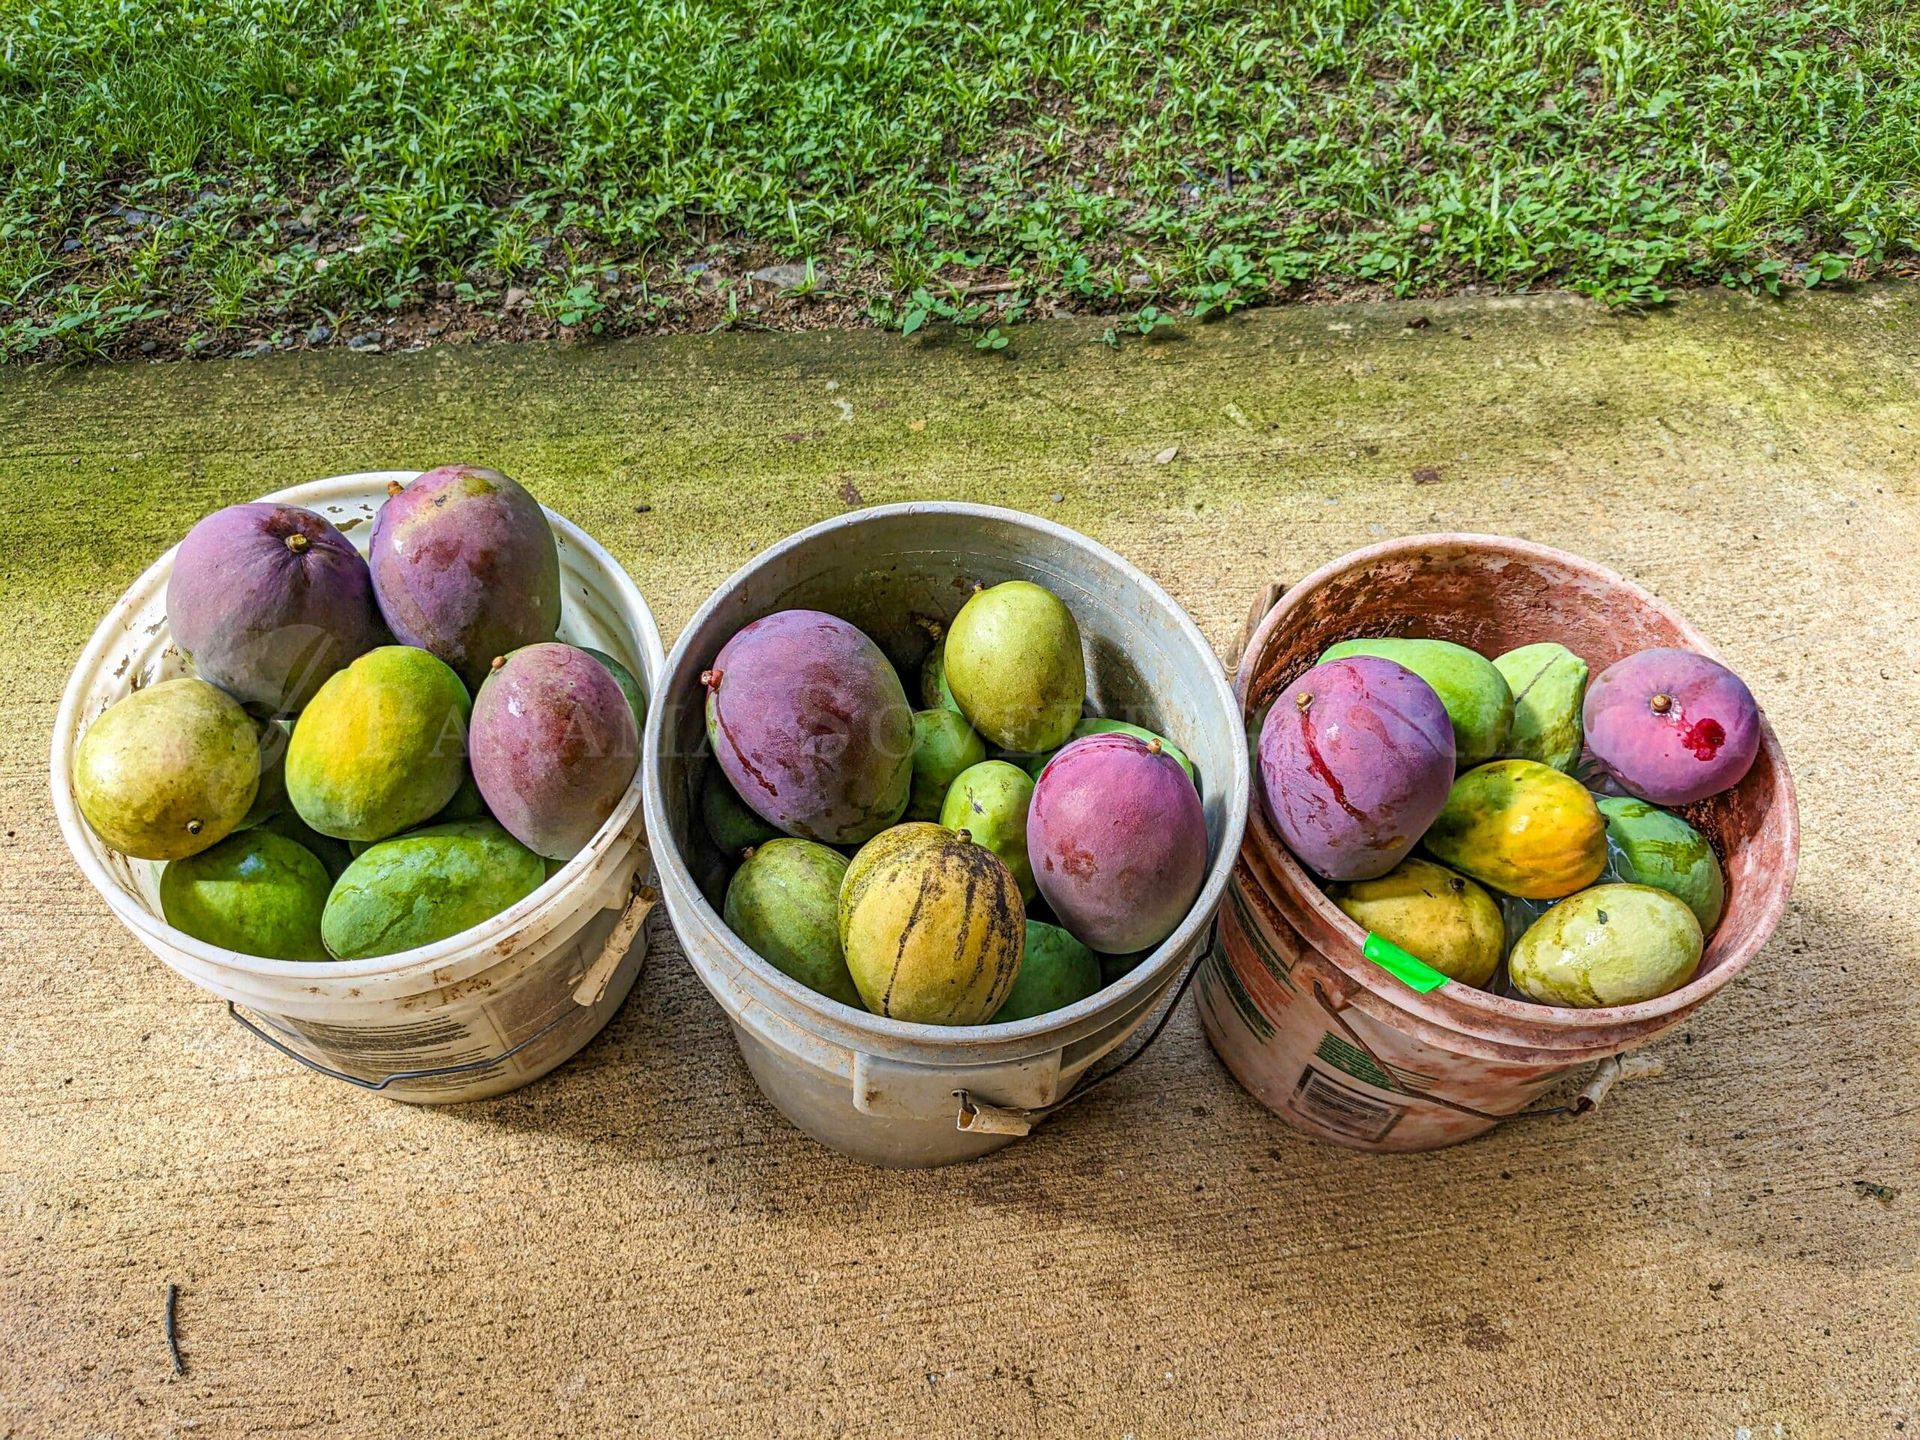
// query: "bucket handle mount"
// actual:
[[982, 1117]]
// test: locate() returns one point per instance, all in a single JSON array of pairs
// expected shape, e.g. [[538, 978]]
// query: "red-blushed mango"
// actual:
[[1355, 759], [1671, 726], [168, 771], [464, 566], [1118, 841], [811, 726], [270, 600], [932, 926], [553, 746]]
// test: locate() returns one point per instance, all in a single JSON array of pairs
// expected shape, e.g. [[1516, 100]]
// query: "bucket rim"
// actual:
[[1482, 1005], [862, 1025], [500, 935]]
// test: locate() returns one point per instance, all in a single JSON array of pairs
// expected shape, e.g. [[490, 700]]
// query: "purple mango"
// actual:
[[1118, 841], [270, 600], [553, 746], [812, 727], [1671, 726], [1356, 759], [465, 566]]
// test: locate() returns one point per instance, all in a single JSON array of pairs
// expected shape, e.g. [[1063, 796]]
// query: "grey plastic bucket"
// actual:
[[885, 1091]]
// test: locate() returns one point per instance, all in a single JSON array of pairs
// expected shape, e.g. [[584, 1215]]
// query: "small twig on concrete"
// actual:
[[173, 1335]]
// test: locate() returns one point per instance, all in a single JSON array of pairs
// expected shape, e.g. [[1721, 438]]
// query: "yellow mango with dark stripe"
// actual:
[[932, 926]]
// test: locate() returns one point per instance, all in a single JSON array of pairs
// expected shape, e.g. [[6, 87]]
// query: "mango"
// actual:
[[1433, 914], [333, 855], [425, 886], [270, 600], [629, 687], [1094, 725], [1475, 693], [932, 926], [1014, 664], [1118, 842], [1354, 759], [784, 902], [467, 804], [811, 725], [270, 795], [1549, 683], [256, 892], [1672, 727], [169, 771], [990, 801], [729, 823], [1522, 828], [1611, 945], [554, 746], [1056, 971], [464, 565], [935, 693], [1654, 848], [382, 746], [943, 746]]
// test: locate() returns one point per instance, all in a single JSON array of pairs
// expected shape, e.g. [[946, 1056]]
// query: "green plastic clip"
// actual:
[[1409, 970]]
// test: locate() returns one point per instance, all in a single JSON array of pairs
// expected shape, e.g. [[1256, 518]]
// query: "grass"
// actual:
[[208, 171]]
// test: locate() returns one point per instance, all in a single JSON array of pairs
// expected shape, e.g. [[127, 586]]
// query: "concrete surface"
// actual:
[[640, 1246]]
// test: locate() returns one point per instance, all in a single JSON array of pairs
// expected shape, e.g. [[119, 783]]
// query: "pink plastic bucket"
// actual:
[[1340, 1047]]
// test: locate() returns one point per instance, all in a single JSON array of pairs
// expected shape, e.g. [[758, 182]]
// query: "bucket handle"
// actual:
[[587, 992], [1606, 1075], [981, 1117]]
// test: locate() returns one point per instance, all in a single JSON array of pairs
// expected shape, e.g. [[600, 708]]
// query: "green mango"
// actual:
[[733, 827], [169, 771], [1014, 665], [1112, 967], [333, 854], [784, 902], [1549, 684], [935, 693], [1057, 971], [1094, 725], [425, 886], [270, 796], [1652, 847], [466, 804], [1476, 695], [989, 801], [1432, 914], [381, 747], [256, 892], [629, 687], [1611, 945], [943, 745]]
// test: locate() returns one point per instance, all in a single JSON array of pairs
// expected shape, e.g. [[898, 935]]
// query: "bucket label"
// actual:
[[1324, 1101]]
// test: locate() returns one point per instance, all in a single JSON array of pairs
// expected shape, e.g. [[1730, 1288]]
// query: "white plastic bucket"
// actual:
[[472, 1016], [886, 1091]]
